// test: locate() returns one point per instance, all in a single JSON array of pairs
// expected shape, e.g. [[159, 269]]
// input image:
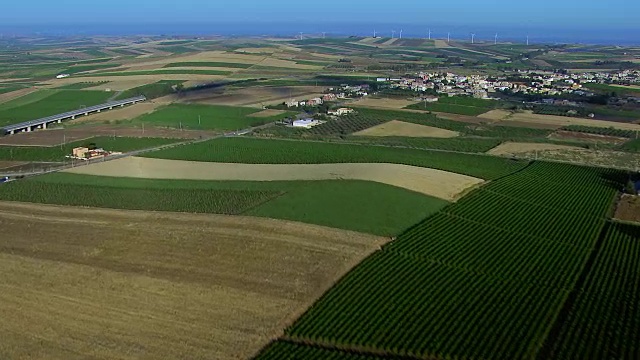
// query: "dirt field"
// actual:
[[628, 208], [255, 96], [594, 138], [528, 117], [400, 128], [441, 44], [82, 283], [267, 113], [393, 104], [125, 113], [495, 115], [512, 148], [437, 183], [604, 158], [58, 136], [16, 94]]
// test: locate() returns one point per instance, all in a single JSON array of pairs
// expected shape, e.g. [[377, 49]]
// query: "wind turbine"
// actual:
[[393, 34], [324, 34], [374, 33], [400, 33], [300, 35], [448, 37], [473, 38], [527, 40], [495, 42], [429, 34]]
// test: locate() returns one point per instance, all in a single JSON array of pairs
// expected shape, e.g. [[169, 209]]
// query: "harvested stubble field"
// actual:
[[513, 148], [560, 121], [401, 128], [102, 284], [437, 183], [256, 96], [391, 104], [495, 115]]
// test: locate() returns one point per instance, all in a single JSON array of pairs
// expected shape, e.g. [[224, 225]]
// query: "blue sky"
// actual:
[[569, 14]]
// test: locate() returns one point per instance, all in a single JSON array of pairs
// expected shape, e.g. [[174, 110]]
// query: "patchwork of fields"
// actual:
[[525, 242]]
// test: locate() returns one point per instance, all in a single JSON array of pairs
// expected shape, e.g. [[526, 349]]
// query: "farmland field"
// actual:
[[48, 102], [213, 117], [58, 153], [457, 105], [108, 284], [257, 151], [441, 184], [539, 225], [604, 315], [399, 128], [353, 205], [208, 64]]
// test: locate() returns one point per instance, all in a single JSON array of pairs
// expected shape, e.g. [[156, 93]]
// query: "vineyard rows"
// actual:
[[467, 245], [604, 322], [410, 307], [259, 151], [230, 202], [484, 278]]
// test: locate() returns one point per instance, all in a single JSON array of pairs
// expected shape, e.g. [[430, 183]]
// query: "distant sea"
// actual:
[[600, 36]]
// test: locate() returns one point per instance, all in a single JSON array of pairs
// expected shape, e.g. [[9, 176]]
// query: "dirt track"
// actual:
[[437, 183], [84, 283]]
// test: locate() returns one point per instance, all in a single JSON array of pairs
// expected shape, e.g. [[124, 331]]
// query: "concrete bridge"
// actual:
[[42, 123]]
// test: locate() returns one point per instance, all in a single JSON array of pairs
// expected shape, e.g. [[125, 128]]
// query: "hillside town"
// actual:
[[528, 82]]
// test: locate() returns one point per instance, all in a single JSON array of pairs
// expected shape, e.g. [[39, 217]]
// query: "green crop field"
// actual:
[[363, 206], [604, 318], [631, 146], [215, 117], [209, 64], [484, 278], [259, 151], [151, 91], [462, 105], [48, 102], [58, 153]]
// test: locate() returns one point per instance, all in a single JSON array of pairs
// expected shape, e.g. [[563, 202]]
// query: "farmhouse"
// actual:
[[340, 112], [306, 123], [314, 102], [292, 103]]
